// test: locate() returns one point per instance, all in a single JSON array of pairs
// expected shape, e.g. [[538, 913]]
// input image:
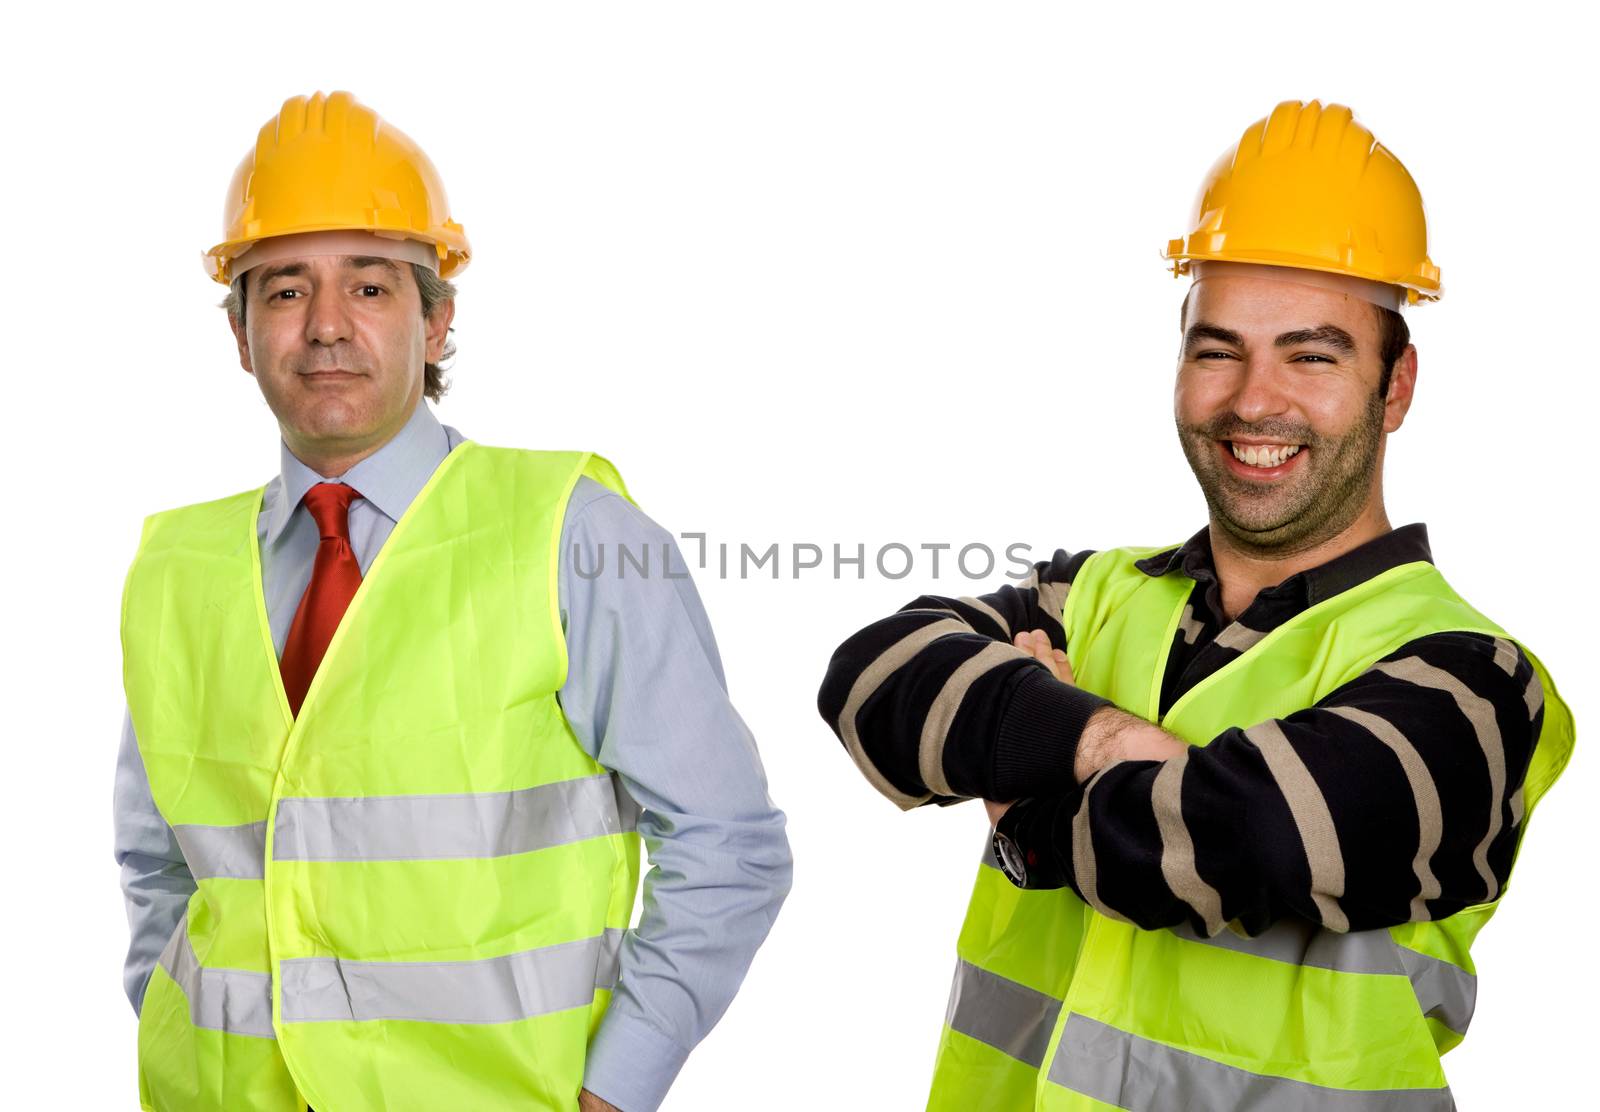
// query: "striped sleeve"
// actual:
[[1396, 798], [933, 703]]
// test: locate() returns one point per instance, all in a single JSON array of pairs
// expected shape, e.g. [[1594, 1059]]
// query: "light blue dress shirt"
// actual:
[[646, 697]]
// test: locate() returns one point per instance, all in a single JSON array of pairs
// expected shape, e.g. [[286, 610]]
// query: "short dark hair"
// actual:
[[1393, 336], [433, 290]]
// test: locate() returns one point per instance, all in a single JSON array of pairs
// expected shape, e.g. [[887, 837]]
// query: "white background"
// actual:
[[854, 273]]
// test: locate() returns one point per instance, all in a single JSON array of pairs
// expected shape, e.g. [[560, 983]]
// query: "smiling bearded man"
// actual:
[[1268, 784], [1321, 479]]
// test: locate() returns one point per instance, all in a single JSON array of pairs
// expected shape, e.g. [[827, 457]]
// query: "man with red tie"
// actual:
[[388, 761]]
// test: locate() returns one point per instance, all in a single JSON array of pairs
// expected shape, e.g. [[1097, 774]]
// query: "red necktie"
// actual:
[[334, 579]]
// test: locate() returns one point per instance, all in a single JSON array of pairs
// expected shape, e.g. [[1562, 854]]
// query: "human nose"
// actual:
[[327, 318], [1261, 390]]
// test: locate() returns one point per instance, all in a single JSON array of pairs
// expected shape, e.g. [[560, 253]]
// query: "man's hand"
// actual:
[[996, 810], [1037, 642], [588, 1102]]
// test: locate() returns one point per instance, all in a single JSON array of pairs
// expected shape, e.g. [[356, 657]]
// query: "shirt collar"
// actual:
[[389, 478], [1405, 545]]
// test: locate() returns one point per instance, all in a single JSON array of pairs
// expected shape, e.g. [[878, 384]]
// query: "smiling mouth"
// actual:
[[1260, 461]]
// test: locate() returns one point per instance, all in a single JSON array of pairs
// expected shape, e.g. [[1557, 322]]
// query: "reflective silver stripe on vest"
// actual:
[[234, 852], [1130, 1072], [1444, 990], [237, 1001], [1011, 1017], [493, 990], [437, 827], [1299, 941]]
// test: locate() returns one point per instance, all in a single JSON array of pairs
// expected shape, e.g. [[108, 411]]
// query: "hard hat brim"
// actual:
[[453, 258], [1418, 287]]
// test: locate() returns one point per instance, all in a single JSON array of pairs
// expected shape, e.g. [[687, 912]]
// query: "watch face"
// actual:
[[1010, 859]]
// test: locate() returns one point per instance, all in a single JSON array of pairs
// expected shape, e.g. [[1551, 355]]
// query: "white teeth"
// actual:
[[1263, 455]]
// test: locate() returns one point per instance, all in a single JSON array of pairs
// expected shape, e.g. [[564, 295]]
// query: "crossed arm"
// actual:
[[1109, 734], [1395, 798]]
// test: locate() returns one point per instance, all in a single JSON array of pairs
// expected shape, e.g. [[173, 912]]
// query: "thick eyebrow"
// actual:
[[350, 262], [1329, 335], [1200, 330]]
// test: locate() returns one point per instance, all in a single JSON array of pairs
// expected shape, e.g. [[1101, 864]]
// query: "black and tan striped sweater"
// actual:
[[1418, 762]]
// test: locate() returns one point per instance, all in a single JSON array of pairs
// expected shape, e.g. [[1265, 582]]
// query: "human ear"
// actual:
[[439, 328], [1402, 386]]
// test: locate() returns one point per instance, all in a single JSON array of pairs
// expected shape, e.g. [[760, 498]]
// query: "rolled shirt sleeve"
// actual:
[[646, 697]]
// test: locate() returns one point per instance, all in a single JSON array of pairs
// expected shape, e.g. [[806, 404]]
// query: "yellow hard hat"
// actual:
[[1309, 187], [328, 163]]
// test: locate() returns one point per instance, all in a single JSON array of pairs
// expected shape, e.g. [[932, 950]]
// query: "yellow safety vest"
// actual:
[[1056, 1006], [411, 896]]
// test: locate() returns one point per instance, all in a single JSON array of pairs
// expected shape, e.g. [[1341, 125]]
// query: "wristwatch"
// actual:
[[1009, 857]]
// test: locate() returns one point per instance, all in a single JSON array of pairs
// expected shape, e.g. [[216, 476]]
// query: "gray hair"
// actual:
[[433, 289]]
